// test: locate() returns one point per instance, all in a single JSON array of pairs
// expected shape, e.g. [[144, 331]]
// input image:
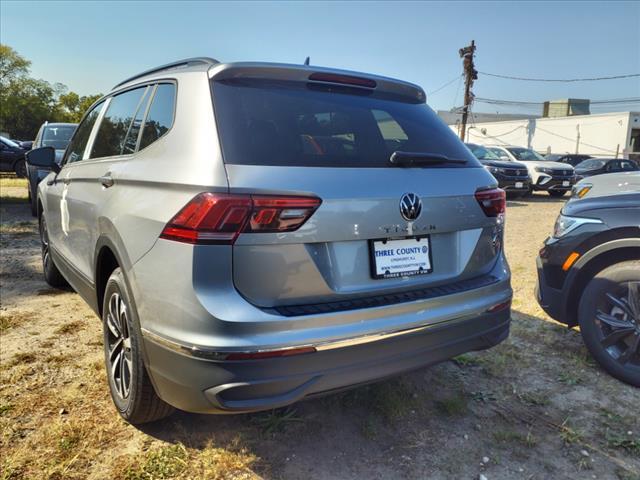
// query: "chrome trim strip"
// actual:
[[208, 353]]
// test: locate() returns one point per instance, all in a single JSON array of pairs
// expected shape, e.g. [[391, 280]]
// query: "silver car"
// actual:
[[253, 234]]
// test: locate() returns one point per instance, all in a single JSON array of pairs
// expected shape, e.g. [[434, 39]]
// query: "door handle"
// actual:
[[106, 180]]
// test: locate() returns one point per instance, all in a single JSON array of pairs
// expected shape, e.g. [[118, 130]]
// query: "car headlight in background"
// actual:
[[565, 224], [580, 190], [492, 169], [548, 171]]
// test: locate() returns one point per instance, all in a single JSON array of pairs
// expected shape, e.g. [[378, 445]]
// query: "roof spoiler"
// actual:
[[314, 75]]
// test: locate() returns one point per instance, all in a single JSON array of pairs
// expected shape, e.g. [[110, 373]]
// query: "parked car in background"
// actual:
[[56, 135], [513, 177], [589, 271], [572, 159], [12, 157], [598, 166], [345, 235], [554, 178]]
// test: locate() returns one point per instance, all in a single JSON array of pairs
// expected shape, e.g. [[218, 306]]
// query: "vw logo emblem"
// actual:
[[410, 206]]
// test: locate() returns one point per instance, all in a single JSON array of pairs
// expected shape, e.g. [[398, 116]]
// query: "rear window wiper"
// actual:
[[408, 159]]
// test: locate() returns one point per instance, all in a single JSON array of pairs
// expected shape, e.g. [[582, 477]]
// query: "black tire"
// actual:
[[610, 331], [20, 168], [51, 273], [557, 193], [33, 205], [129, 384]]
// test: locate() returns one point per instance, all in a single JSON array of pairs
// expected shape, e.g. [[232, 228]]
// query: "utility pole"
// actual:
[[470, 74]]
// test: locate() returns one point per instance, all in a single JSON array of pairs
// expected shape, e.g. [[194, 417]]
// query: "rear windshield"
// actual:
[[293, 124], [57, 137]]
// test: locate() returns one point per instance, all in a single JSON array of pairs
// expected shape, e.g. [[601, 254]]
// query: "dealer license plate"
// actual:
[[400, 258], [565, 183], [518, 184]]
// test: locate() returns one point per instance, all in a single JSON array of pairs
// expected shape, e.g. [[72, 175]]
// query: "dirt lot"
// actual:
[[536, 407]]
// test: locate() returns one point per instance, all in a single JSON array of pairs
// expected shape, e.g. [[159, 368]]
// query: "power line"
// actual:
[[445, 85], [612, 101], [564, 80]]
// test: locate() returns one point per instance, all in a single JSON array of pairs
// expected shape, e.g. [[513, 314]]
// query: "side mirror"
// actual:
[[43, 157]]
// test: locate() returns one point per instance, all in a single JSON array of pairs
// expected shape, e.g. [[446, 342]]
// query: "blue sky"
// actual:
[[92, 46]]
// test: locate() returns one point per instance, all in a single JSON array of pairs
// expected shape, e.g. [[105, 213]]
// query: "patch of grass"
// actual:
[[499, 361], [13, 182], [465, 360], [536, 399], [67, 328], [277, 420], [570, 435], [511, 437], [13, 199], [22, 358], [454, 405], [570, 377], [5, 408], [178, 462], [624, 474], [58, 360], [623, 441], [14, 319], [160, 463], [386, 400]]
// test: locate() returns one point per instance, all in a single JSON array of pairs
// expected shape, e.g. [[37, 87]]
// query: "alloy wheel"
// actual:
[[619, 324], [44, 239], [119, 345]]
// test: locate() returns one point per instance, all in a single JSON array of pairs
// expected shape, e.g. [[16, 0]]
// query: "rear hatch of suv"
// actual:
[[321, 144]]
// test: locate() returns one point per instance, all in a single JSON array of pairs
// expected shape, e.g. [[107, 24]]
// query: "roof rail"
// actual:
[[179, 63]]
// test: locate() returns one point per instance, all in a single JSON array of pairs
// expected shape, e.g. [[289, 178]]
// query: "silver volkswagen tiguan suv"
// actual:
[[252, 234]]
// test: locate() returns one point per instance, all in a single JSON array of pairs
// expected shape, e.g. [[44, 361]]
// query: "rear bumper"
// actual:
[[202, 386]]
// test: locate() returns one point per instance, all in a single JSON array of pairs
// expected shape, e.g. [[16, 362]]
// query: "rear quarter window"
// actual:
[[290, 124], [160, 117]]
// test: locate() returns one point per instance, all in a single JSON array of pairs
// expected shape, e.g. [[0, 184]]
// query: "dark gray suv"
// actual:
[[252, 234]]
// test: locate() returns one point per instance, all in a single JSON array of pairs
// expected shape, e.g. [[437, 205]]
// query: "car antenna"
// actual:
[[306, 61]]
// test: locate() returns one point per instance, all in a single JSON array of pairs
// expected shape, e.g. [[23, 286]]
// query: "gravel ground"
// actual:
[[535, 407]]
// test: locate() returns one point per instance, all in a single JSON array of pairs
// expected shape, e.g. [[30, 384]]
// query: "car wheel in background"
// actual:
[[51, 273], [32, 202], [129, 384], [557, 193], [21, 168], [609, 317]]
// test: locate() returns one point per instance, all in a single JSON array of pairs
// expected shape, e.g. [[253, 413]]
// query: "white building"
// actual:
[[600, 135]]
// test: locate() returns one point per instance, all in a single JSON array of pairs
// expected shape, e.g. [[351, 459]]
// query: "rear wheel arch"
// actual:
[[106, 262], [627, 250]]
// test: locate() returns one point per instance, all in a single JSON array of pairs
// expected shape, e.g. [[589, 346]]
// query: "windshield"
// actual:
[[482, 153], [590, 164], [11, 143], [57, 136], [292, 124], [525, 154]]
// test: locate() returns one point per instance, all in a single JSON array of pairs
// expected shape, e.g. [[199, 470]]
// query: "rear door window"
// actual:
[[160, 117], [290, 124], [113, 130]]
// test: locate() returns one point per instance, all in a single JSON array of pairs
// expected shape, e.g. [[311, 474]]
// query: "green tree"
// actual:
[[26, 103], [12, 65]]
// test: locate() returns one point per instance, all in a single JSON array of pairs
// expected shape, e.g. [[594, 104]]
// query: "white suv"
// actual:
[[553, 177]]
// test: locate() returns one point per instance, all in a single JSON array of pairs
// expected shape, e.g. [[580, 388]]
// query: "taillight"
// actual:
[[213, 218], [342, 79], [493, 202]]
